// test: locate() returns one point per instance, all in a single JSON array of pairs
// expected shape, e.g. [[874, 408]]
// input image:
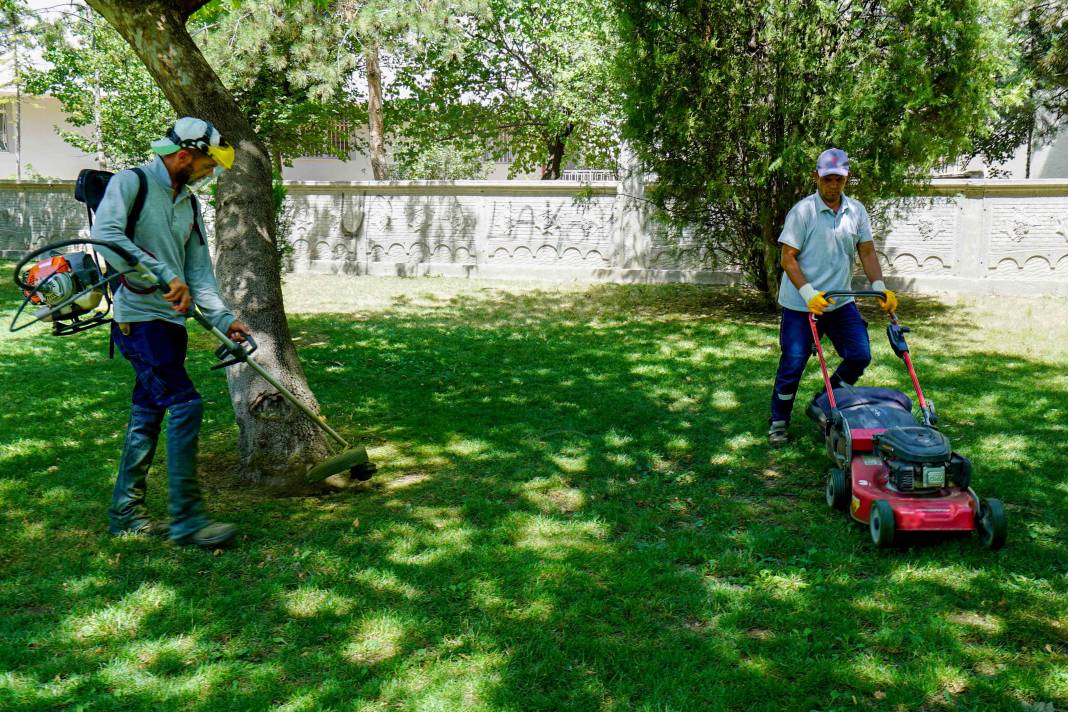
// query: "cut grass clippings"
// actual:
[[575, 510]]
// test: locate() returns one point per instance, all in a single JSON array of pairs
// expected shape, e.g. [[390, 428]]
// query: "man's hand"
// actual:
[[179, 295], [238, 330], [889, 304], [817, 303]]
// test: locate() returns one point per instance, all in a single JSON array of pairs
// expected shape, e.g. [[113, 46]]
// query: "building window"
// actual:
[[340, 138]]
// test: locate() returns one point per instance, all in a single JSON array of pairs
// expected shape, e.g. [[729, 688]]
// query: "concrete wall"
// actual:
[[967, 236]]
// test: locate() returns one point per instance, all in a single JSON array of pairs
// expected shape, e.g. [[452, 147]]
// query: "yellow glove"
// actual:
[[817, 303], [889, 304]]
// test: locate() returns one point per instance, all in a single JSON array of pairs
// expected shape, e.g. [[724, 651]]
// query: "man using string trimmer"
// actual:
[[149, 324]]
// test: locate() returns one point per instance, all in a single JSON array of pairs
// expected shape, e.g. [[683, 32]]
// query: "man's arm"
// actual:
[[201, 279], [874, 272], [791, 267], [870, 261]]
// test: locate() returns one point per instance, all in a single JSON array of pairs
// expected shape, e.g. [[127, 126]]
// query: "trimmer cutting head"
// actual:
[[354, 461]]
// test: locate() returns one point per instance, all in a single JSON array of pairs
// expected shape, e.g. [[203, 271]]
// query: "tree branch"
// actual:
[[187, 7]]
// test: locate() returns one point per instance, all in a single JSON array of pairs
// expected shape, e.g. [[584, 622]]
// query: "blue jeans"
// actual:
[[848, 332], [156, 350]]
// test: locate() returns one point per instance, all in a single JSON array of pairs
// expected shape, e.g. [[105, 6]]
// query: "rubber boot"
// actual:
[[127, 511], [183, 438]]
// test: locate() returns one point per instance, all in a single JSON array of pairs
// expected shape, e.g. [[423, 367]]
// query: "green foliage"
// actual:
[[576, 512], [289, 66], [100, 82], [730, 101], [440, 162], [1044, 25], [530, 78]]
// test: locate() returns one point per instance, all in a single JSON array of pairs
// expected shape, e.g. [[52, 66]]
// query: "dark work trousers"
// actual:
[[848, 332], [156, 350]]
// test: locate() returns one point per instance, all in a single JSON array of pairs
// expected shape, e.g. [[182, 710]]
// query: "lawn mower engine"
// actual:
[[919, 459], [66, 288]]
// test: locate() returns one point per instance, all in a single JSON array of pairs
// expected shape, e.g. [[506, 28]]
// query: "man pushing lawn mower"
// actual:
[[149, 324], [819, 238]]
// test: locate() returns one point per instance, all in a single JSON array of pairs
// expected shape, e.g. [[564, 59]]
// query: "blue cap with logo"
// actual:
[[833, 161]]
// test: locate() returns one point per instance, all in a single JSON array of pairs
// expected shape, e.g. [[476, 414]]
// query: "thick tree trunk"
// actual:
[[553, 168], [276, 442], [374, 113]]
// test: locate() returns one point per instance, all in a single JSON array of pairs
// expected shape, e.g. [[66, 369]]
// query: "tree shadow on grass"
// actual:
[[576, 511]]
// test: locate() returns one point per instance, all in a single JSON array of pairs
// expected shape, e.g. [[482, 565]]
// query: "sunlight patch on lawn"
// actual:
[[405, 481], [991, 625], [467, 447], [1005, 448], [25, 447], [872, 669], [786, 587], [557, 540], [310, 601], [386, 582], [400, 457], [954, 577], [123, 619], [677, 446], [379, 638], [26, 689], [575, 464], [446, 685], [725, 400], [126, 677], [552, 494], [423, 547]]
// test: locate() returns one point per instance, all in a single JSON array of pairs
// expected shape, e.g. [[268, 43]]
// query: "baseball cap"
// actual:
[[833, 161], [190, 132]]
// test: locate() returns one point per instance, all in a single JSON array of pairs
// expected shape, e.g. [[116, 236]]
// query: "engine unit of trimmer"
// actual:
[[66, 287]]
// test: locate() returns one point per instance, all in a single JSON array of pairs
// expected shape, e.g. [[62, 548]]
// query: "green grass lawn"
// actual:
[[575, 510]]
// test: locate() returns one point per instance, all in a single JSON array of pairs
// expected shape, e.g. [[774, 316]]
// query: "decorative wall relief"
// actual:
[[921, 236], [1029, 238], [421, 228]]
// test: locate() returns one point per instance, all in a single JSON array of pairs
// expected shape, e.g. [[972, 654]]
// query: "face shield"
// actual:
[[223, 154]]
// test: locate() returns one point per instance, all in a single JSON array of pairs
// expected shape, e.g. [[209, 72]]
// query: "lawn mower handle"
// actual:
[[854, 293]]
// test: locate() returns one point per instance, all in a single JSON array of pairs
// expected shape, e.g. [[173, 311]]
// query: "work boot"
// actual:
[[777, 433], [211, 536], [143, 525], [127, 512], [186, 504]]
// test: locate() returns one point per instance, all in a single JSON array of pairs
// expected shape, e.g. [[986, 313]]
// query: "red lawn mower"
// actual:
[[891, 472]]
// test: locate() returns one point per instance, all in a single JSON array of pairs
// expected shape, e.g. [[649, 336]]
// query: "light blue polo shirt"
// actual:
[[828, 244], [164, 240]]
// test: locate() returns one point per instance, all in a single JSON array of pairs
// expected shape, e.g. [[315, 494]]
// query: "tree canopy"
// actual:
[[729, 102]]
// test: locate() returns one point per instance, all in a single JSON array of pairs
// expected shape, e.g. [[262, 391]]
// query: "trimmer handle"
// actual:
[[239, 353]]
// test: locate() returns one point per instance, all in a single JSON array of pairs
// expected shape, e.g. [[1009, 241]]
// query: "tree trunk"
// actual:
[[276, 442], [374, 113], [553, 165]]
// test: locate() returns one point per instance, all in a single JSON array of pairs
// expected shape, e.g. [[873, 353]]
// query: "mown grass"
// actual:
[[576, 510]]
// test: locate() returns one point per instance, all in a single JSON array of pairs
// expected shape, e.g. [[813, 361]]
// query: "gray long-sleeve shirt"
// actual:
[[165, 241]]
